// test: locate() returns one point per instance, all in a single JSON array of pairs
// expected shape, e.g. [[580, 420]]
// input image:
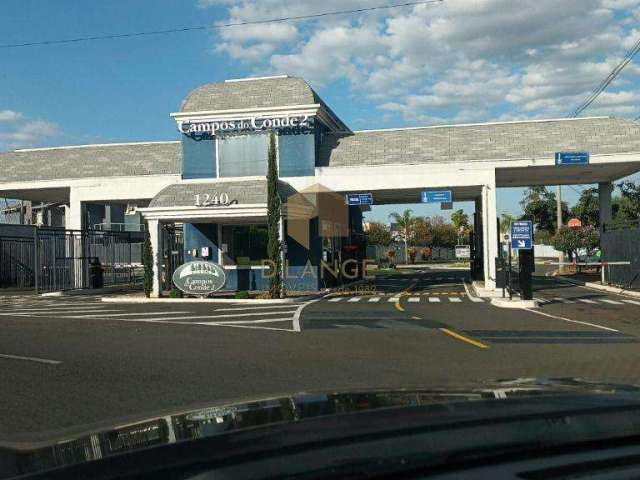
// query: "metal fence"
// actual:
[[621, 243], [379, 252], [57, 259]]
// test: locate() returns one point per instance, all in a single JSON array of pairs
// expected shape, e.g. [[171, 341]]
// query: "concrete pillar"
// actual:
[[155, 235], [490, 233], [604, 197], [74, 213]]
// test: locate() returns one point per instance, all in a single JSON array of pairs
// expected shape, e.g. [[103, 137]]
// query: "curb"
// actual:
[[604, 288], [235, 301], [506, 303], [85, 291]]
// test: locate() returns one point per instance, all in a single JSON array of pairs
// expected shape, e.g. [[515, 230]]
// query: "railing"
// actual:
[[118, 227]]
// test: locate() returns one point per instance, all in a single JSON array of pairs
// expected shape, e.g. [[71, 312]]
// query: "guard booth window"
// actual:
[[244, 244]]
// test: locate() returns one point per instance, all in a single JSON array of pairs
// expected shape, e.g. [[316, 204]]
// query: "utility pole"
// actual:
[[559, 222]]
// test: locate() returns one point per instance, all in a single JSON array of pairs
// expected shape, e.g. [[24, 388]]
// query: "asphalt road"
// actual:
[[72, 364]]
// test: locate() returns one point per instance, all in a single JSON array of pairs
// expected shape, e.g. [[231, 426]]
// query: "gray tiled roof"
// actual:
[[91, 161], [266, 92], [183, 194], [244, 192], [505, 141]]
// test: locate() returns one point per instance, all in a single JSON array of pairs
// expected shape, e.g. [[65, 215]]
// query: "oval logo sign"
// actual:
[[199, 278]]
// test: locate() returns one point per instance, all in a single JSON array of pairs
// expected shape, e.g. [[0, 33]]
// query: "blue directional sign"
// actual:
[[442, 196], [359, 199], [572, 158], [521, 234]]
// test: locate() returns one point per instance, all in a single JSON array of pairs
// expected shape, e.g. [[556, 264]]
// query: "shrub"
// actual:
[[175, 293], [412, 252], [425, 253], [241, 295]]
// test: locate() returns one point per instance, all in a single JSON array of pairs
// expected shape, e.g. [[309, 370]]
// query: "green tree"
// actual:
[[378, 233], [147, 263], [406, 222], [587, 209], [628, 205], [506, 219], [567, 240], [589, 238], [444, 234], [274, 245], [460, 219], [422, 231], [539, 204]]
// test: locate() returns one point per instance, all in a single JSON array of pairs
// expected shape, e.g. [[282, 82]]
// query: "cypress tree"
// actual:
[[274, 246], [147, 262]]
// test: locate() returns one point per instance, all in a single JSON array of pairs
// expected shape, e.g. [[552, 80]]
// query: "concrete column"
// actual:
[[604, 197], [74, 213], [490, 233], [155, 235]]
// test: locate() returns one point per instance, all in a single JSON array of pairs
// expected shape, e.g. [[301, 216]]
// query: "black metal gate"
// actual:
[[173, 252], [57, 259]]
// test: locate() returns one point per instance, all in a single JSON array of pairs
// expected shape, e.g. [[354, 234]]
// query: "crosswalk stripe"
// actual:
[[434, 299], [414, 299], [354, 299], [632, 302], [250, 308], [586, 300], [612, 302], [335, 299], [374, 299], [455, 300], [393, 299], [475, 299]]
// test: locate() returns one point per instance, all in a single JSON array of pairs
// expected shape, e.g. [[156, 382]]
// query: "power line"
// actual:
[[610, 78], [216, 27]]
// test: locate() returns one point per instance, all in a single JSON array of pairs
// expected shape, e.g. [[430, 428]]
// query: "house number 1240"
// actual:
[[206, 200]]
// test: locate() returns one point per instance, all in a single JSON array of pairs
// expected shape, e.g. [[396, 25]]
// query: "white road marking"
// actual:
[[563, 300], [586, 300], [56, 313], [434, 300], [414, 299], [57, 309], [393, 299], [374, 299], [354, 299], [612, 302], [128, 314], [473, 299], [30, 359], [602, 327], [203, 317], [335, 299], [632, 302], [233, 322], [298, 312], [455, 300], [255, 307]]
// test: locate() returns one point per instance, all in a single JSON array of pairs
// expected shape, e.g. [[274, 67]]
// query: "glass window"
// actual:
[[243, 155], [297, 154], [245, 244], [198, 157]]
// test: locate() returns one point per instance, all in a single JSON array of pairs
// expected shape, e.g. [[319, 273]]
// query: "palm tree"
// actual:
[[506, 219], [405, 223]]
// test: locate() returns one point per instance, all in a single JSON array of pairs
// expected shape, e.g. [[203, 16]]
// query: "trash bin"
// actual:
[[96, 278]]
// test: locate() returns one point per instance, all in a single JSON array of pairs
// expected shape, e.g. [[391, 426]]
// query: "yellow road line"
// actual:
[[404, 292], [462, 338]]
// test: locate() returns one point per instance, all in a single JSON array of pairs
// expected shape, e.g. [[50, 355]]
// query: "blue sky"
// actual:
[[457, 61]]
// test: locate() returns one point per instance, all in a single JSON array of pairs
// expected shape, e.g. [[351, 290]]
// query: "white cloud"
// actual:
[[9, 116], [458, 60], [28, 134]]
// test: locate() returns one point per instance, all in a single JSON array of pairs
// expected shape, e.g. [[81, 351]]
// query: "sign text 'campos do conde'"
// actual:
[[257, 123], [199, 277]]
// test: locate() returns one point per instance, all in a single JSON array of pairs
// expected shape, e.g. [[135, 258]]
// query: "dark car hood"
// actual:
[[241, 416]]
